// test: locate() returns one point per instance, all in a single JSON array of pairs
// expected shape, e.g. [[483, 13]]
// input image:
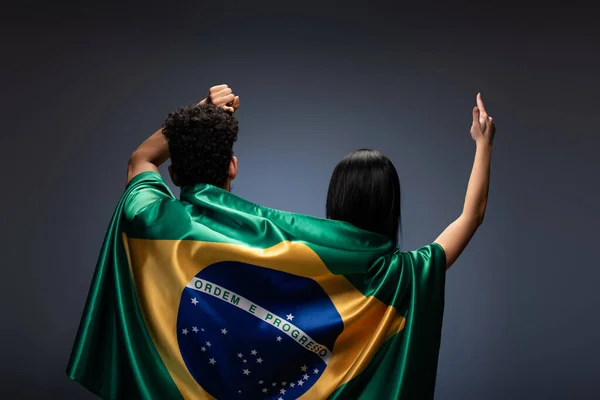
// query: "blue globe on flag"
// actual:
[[247, 332]]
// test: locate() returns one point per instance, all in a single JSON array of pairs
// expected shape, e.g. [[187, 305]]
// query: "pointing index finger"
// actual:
[[480, 103]]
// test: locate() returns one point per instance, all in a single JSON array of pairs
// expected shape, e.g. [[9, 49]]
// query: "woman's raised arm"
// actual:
[[456, 236]]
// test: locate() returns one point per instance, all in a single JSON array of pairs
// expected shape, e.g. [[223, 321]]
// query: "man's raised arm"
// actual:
[[154, 151]]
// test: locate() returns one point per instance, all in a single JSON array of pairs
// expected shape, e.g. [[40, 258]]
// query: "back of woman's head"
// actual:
[[365, 191]]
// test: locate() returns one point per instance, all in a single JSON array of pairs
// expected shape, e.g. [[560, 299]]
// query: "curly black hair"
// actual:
[[200, 139]]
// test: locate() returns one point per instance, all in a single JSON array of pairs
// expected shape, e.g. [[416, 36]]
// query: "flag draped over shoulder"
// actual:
[[214, 297]]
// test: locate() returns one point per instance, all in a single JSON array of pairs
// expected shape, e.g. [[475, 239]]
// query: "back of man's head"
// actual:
[[201, 142]]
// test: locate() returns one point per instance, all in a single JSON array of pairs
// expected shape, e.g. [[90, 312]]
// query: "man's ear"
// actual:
[[233, 167], [173, 176]]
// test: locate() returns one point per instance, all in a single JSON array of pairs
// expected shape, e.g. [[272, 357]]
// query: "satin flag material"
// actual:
[[214, 297]]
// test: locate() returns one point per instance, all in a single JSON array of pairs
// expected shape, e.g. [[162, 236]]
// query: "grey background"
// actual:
[[83, 86]]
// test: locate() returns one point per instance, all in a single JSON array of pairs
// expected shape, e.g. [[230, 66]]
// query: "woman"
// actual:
[[365, 191]]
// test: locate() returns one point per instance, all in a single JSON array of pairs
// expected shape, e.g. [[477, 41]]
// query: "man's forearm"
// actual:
[[154, 149], [479, 183], [151, 154]]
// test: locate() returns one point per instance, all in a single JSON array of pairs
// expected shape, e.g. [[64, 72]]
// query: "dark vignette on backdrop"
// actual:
[[83, 86]]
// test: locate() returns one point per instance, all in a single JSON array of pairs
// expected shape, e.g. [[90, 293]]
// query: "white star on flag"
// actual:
[[282, 391], [224, 331], [240, 355], [274, 383], [290, 317], [203, 348], [304, 368], [283, 383], [239, 391], [195, 329], [260, 382], [280, 398], [245, 361], [246, 372], [300, 382], [202, 329], [305, 376], [254, 352], [194, 301], [212, 361], [279, 338], [292, 384], [316, 371], [208, 344], [184, 331], [259, 360], [265, 390]]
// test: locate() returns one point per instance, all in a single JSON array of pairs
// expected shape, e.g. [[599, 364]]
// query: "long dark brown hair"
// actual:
[[365, 191]]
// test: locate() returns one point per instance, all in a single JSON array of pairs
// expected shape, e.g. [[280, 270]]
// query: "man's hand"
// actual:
[[222, 96], [483, 128]]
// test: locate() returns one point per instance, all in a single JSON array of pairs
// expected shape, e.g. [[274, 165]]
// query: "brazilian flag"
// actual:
[[211, 296]]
